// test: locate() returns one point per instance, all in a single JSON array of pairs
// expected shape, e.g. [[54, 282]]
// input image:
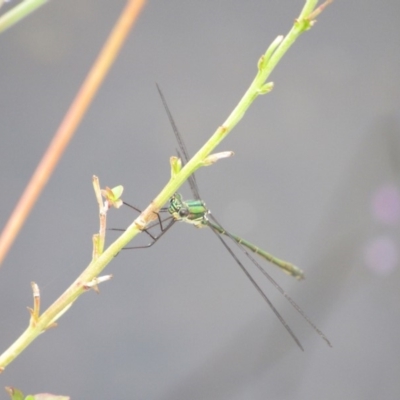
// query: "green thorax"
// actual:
[[191, 211]]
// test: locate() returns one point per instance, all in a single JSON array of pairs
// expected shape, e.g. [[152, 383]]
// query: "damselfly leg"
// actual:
[[163, 224]]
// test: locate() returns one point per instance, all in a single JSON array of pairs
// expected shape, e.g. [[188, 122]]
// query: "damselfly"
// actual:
[[196, 213]]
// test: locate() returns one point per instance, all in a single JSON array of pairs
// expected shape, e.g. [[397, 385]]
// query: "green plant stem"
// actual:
[[265, 66], [19, 12]]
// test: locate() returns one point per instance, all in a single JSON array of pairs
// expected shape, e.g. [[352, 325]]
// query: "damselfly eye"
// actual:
[[183, 212]]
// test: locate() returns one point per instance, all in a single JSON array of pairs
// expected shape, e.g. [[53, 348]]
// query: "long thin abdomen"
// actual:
[[287, 267]]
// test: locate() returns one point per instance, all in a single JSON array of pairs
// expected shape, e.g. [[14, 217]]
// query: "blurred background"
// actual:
[[314, 180]]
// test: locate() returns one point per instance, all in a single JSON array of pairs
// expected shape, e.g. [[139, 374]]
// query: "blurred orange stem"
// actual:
[[69, 124]]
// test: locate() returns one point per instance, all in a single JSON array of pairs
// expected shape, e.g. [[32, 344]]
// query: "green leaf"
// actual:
[[113, 195], [14, 393], [176, 166], [117, 191]]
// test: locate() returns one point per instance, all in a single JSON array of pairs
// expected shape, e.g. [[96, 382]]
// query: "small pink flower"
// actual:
[[386, 204]]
